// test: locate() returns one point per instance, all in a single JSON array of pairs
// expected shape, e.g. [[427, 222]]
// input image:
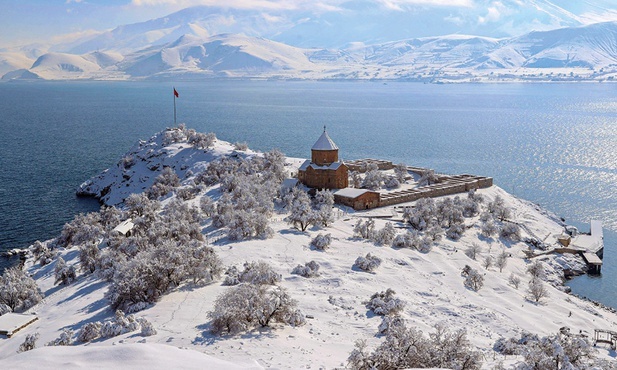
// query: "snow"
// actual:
[[350, 192], [160, 50], [430, 284], [324, 143]]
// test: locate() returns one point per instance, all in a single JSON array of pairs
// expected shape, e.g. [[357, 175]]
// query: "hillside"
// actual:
[[428, 281]]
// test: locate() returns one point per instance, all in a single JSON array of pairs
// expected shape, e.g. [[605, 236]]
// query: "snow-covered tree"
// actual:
[[246, 306], [207, 206], [428, 178], [474, 280], [488, 228], [65, 338], [510, 231], [18, 290], [201, 140], [42, 253], [400, 171], [321, 241], [29, 343], [514, 280], [368, 263], [409, 348], [64, 273], [384, 303], [536, 270], [473, 250], [241, 146], [392, 182], [310, 269], [355, 179], [537, 291], [366, 229], [502, 260], [258, 273], [301, 213], [409, 239], [88, 255], [487, 262], [386, 235], [82, 229], [147, 329], [372, 179], [89, 332]]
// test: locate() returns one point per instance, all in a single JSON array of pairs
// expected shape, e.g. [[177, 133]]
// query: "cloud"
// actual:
[[73, 1], [296, 4]]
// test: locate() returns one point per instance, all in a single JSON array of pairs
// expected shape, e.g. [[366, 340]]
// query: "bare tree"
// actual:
[[473, 250], [537, 290]]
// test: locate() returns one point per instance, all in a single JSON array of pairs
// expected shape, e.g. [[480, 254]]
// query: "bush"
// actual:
[[365, 230], [29, 343], [147, 329], [514, 280], [89, 253], [386, 235], [511, 232], [246, 306], [65, 338], [258, 273], [89, 332], [241, 146], [384, 303], [537, 291], [310, 269], [322, 242], [369, 263], [64, 274]]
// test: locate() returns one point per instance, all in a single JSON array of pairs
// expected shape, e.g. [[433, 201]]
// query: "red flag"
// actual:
[[176, 93]]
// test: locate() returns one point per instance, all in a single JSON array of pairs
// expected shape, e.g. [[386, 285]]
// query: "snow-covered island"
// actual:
[[199, 260]]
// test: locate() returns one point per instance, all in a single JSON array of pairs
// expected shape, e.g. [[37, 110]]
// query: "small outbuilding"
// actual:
[[11, 322], [358, 199], [125, 227]]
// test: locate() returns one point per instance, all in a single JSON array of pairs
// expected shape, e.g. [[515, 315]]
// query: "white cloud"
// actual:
[[73, 1]]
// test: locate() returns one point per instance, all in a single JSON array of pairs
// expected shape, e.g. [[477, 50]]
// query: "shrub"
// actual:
[[89, 332], [385, 235], [511, 232], [64, 274], [322, 242], [89, 253], [514, 280], [369, 263], [241, 146], [310, 269], [258, 273], [147, 329], [365, 230], [537, 291], [29, 343], [384, 303], [536, 270], [65, 338]]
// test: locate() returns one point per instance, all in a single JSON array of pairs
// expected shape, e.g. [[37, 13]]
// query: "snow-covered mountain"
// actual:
[[189, 44]]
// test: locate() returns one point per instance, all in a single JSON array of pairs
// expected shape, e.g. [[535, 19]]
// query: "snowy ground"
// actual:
[[430, 284]]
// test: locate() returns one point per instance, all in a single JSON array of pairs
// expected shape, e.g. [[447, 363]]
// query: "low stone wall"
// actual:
[[359, 165], [448, 185]]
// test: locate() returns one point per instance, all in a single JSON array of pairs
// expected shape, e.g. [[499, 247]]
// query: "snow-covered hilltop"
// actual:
[[214, 261], [197, 43]]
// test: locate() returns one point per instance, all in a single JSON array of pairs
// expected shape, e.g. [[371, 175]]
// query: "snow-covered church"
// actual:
[[324, 170]]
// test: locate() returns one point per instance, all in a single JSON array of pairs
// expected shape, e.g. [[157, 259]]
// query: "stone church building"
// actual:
[[324, 170]]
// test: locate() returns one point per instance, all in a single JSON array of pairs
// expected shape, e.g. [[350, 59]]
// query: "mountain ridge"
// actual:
[[180, 50]]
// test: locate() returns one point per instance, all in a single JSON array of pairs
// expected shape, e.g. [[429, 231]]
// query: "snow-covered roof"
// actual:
[[324, 143], [332, 166], [125, 226], [12, 322], [351, 192]]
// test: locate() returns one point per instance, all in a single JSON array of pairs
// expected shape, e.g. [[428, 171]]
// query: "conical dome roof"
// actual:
[[324, 143]]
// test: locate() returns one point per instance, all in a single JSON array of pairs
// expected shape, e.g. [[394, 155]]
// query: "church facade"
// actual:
[[324, 170]]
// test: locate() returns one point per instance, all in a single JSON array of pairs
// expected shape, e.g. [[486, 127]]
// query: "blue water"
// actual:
[[553, 144]]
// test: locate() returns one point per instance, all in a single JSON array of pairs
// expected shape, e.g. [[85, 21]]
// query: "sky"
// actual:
[[32, 21]]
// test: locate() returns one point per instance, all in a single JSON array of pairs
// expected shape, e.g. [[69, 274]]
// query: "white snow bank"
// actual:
[[147, 356]]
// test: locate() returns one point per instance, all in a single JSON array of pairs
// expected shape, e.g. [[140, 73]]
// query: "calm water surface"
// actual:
[[553, 144]]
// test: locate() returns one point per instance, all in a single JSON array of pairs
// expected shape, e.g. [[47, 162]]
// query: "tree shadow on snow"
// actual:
[[84, 291], [207, 338], [293, 232]]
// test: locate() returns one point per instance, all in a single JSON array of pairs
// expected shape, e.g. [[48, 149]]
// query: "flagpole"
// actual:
[[175, 124]]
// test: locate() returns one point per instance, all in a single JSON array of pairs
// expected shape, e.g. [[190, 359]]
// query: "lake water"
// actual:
[[553, 144]]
